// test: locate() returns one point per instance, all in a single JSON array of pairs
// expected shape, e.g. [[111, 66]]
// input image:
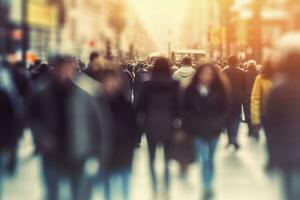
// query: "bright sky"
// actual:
[[161, 17]]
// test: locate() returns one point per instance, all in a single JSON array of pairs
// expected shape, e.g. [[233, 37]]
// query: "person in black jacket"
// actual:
[[158, 102], [70, 125], [281, 118], [124, 133], [205, 107], [236, 79], [9, 118]]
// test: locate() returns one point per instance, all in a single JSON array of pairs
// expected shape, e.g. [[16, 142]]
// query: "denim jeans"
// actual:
[[117, 183], [291, 182], [5, 159], [152, 145], [53, 176], [205, 151], [232, 129]]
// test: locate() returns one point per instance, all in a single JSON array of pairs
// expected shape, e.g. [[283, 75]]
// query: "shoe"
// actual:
[[209, 195], [236, 146], [228, 145]]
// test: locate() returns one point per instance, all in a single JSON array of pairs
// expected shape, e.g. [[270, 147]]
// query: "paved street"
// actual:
[[240, 176]]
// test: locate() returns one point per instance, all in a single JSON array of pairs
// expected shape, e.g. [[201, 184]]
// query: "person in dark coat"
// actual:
[[69, 126], [141, 76], [250, 76], [9, 117], [124, 134], [281, 118], [205, 109], [158, 102], [236, 79]]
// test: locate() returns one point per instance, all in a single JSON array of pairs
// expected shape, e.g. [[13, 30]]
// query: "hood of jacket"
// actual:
[[185, 72]]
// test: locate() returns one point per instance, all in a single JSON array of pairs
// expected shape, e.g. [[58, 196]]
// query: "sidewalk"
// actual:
[[240, 176]]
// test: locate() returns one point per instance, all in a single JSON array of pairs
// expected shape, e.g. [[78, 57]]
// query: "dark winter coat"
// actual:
[[237, 82], [202, 116], [158, 102], [282, 124], [124, 133], [8, 132], [71, 123]]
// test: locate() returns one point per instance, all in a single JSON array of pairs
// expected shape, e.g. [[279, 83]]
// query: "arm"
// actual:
[[256, 102]]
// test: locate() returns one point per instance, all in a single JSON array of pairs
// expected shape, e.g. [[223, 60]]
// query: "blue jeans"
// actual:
[[205, 151], [5, 159], [117, 180], [232, 129], [53, 175], [152, 145], [291, 181]]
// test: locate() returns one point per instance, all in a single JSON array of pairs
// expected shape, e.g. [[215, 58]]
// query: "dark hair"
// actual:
[[94, 55], [43, 67], [161, 68], [187, 61], [233, 61], [37, 62], [219, 85], [60, 60]]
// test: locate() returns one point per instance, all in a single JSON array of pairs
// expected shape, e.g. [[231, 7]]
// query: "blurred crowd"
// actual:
[[87, 120]]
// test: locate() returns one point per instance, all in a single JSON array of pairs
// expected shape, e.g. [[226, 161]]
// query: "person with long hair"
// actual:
[[204, 116], [124, 135], [158, 104]]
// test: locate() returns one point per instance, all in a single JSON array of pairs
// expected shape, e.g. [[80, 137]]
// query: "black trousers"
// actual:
[[152, 145]]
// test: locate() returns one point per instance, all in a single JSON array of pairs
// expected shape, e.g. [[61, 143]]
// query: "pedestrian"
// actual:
[[21, 88], [61, 116], [9, 117], [205, 109], [124, 135], [182, 148], [95, 66], [250, 74], [259, 95], [158, 103], [281, 118], [185, 73], [141, 76], [236, 78]]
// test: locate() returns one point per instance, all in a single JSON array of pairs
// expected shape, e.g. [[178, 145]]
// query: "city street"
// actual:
[[240, 176]]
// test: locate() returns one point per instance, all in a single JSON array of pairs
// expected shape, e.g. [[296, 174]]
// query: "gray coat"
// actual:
[[87, 121]]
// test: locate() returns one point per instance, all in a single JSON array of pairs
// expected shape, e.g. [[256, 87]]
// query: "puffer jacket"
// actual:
[[261, 89]]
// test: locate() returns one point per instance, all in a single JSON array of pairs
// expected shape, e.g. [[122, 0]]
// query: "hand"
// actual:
[[180, 136]]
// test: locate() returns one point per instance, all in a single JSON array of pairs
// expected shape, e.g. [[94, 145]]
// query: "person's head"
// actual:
[[43, 67], [267, 69], [233, 61], [111, 82], [37, 63], [161, 68], [287, 55], [186, 61], [63, 68], [251, 65], [218, 67], [205, 74], [93, 56]]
